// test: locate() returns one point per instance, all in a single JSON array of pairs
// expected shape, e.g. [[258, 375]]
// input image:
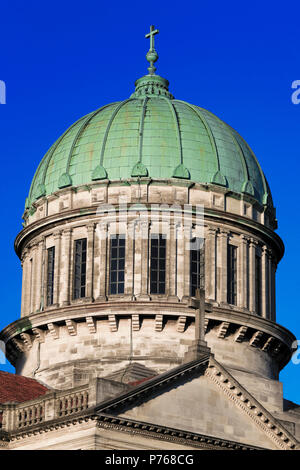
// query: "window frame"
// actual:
[[50, 272], [258, 284], [199, 261], [117, 243], [82, 252], [160, 270], [232, 274]]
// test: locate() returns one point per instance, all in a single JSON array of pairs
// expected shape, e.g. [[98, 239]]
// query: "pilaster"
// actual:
[[90, 261], [252, 294], [66, 266], [222, 266], [57, 267]]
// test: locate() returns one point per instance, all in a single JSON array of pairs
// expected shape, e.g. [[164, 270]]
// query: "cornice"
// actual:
[[236, 393], [164, 433], [56, 220]]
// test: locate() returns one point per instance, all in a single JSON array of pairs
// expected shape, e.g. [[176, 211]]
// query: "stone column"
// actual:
[[40, 275], [66, 266], [144, 266], [57, 257], [187, 238], [90, 262], [27, 284], [103, 239], [24, 264], [242, 272], [252, 294], [33, 284], [172, 242], [265, 281], [273, 290], [129, 259], [210, 263], [96, 273], [222, 266]]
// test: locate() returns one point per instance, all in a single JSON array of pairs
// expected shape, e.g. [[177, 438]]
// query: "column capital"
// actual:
[[253, 242], [90, 228], [223, 233], [67, 231], [33, 246], [24, 255], [39, 240], [244, 238], [103, 225], [57, 234]]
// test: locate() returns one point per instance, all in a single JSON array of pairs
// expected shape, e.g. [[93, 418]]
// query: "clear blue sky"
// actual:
[[61, 60]]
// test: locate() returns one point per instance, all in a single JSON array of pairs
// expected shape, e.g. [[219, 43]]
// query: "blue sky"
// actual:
[[61, 60]]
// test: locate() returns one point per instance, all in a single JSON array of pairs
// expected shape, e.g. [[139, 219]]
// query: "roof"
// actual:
[[152, 135], [121, 410], [16, 388]]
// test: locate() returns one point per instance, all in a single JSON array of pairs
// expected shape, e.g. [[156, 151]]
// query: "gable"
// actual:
[[199, 406]]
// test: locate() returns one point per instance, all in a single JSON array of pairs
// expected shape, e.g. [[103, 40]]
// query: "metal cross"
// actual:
[[151, 35]]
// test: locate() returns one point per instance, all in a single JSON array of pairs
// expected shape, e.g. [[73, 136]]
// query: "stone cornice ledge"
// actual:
[[253, 321], [164, 433], [247, 403]]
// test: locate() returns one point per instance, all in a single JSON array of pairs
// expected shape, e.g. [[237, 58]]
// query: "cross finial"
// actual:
[[152, 55], [151, 35]]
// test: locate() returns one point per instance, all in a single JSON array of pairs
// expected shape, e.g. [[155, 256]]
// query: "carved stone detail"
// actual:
[[91, 324], [223, 328], [112, 323], [254, 341], [158, 322], [54, 330], [240, 335], [72, 327], [181, 322], [135, 322]]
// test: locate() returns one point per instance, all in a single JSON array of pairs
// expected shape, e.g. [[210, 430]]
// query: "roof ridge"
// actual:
[[165, 377], [274, 426]]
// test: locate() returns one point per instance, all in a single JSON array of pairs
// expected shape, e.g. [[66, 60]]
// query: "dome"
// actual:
[[152, 135]]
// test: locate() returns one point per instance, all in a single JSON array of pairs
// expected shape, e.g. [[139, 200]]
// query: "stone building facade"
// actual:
[[132, 210]]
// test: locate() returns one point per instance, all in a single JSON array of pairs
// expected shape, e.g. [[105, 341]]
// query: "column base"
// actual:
[[101, 298], [173, 298], [196, 351], [143, 297]]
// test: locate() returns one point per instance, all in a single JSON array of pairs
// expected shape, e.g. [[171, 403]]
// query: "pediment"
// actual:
[[206, 400]]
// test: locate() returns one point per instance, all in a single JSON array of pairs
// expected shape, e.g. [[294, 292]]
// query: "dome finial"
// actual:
[[152, 55]]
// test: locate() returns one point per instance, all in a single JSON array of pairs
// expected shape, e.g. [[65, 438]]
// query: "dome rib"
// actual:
[[139, 168], [108, 128], [48, 157], [236, 144], [80, 130], [176, 122], [264, 181], [207, 127], [141, 129]]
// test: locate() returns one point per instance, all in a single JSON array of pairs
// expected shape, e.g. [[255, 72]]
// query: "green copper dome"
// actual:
[[151, 134]]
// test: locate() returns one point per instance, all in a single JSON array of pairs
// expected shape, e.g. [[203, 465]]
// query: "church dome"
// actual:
[[152, 135]]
